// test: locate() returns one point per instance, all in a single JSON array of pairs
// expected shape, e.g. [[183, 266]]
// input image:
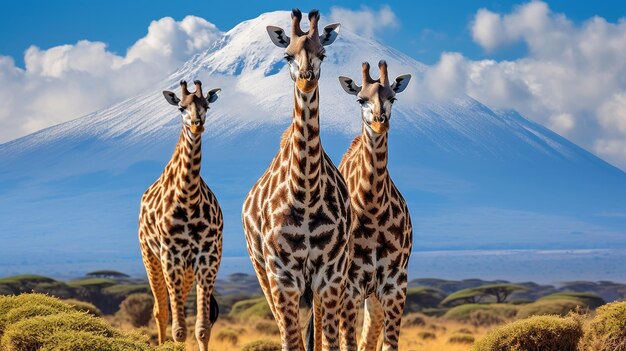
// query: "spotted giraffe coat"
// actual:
[[180, 230], [382, 237], [296, 219]]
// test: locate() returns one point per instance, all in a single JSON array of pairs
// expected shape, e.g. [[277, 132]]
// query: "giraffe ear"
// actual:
[[349, 86], [212, 95], [401, 83], [331, 32], [171, 97], [278, 36]]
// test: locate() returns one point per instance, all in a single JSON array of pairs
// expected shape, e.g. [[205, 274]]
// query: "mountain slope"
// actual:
[[474, 178]]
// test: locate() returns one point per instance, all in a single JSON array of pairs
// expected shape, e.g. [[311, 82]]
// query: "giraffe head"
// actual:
[[376, 97], [304, 51], [192, 106]]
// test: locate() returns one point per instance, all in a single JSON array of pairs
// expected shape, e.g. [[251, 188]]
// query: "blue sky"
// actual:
[[558, 63], [427, 27]]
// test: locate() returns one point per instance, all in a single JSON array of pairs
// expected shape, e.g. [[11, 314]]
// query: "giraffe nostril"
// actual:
[[308, 75]]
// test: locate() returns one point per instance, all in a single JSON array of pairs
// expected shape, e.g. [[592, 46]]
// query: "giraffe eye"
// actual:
[[393, 99], [181, 109], [361, 101], [288, 57]]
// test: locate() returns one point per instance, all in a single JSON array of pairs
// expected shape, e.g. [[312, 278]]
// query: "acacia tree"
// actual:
[[500, 291], [473, 295]]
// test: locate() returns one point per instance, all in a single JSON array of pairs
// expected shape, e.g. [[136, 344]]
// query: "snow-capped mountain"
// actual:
[[474, 178]]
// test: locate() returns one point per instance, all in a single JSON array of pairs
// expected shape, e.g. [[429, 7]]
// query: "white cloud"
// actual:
[[572, 80], [67, 81], [365, 22]]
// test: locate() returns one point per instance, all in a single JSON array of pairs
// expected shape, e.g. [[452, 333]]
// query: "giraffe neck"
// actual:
[[184, 167], [374, 161], [306, 150]]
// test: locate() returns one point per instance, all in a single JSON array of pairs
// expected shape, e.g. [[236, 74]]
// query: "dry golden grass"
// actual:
[[409, 338]]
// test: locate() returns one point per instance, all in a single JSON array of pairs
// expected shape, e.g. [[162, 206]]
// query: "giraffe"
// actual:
[[296, 217], [180, 227], [382, 230]]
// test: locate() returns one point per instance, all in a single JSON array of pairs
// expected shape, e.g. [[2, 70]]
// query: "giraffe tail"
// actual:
[[214, 310], [307, 301]]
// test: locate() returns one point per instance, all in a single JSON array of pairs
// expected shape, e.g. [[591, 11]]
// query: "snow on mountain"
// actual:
[[474, 178]]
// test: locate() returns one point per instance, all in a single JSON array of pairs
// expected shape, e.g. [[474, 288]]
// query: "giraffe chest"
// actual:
[[185, 228]]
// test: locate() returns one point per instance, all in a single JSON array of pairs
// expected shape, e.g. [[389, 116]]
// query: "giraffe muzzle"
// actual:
[[307, 75], [196, 127], [380, 127]]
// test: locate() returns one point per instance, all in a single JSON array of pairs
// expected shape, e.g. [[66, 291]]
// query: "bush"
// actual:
[[251, 308], [461, 338], [420, 298], [83, 341], [171, 346], [414, 320], [607, 330], [84, 307], [426, 335], [266, 327], [16, 308], [40, 322], [548, 307], [229, 336], [489, 313], [262, 345], [590, 300], [545, 333], [32, 333], [137, 309]]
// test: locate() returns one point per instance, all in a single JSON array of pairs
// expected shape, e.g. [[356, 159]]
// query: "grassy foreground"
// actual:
[[114, 312]]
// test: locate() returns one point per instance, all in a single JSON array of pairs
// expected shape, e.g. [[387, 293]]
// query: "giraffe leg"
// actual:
[[174, 278], [372, 324], [393, 306], [331, 298], [261, 274], [286, 299], [318, 323], [351, 305], [160, 311], [205, 277]]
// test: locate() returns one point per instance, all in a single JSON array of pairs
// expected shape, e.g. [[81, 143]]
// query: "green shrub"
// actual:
[[590, 300], [426, 335], [171, 346], [137, 309], [251, 309], [489, 312], [228, 335], [16, 308], [32, 333], [461, 338], [607, 330], [267, 327], [545, 333], [84, 307], [262, 345], [420, 298], [549, 307], [414, 320], [83, 341]]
